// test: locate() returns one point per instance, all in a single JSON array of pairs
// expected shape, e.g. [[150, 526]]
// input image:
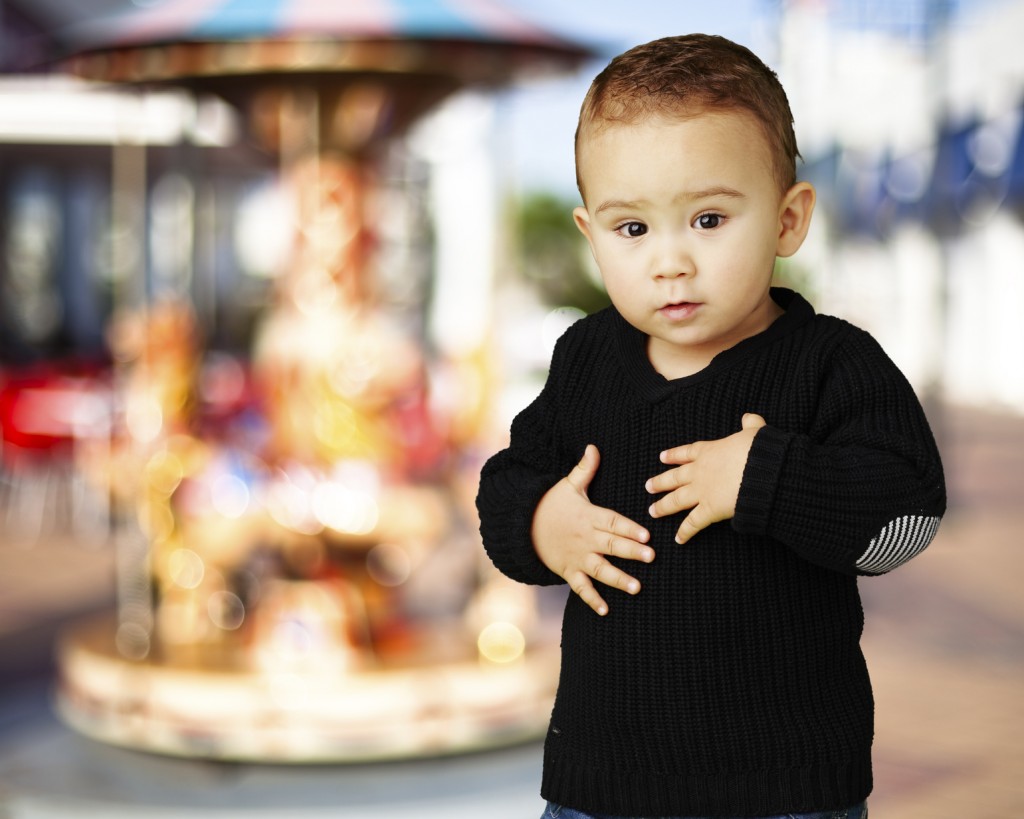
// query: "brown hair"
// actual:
[[681, 75]]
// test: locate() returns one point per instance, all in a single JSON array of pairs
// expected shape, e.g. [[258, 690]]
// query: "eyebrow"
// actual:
[[690, 196]]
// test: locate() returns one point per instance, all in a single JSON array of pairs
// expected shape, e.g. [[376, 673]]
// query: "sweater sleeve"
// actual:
[[513, 481], [864, 491]]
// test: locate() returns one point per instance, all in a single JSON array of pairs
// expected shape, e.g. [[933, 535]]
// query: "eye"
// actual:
[[632, 230], [708, 221]]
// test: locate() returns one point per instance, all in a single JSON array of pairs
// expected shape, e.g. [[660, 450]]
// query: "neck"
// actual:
[[676, 361]]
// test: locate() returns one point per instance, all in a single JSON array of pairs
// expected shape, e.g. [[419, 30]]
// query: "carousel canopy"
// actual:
[[471, 41], [398, 57]]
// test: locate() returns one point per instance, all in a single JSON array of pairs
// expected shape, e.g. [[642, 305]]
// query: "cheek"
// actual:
[[614, 285], [610, 264], [621, 288], [751, 258], [618, 274]]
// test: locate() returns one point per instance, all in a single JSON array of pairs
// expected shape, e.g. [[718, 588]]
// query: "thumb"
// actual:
[[752, 420], [583, 473]]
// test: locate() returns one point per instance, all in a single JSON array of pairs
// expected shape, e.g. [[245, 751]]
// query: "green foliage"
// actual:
[[553, 256], [796, 276]]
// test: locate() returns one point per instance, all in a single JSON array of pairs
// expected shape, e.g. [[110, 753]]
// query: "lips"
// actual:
[[679, 311]]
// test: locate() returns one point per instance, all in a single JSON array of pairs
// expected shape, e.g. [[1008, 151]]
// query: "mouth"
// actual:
[[679, 311]]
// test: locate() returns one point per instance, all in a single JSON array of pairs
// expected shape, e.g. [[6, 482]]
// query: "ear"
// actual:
[[582, 219], [795, 218]]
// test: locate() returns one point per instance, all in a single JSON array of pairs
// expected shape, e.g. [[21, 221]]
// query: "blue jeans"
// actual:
[[860, 811]]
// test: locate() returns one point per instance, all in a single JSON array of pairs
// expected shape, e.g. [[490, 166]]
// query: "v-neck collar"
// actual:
[[632, 346]]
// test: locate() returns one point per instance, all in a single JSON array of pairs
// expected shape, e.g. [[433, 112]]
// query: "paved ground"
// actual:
[[945, 643]]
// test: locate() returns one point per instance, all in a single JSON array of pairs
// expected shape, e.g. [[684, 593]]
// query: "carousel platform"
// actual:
[[440, 703]]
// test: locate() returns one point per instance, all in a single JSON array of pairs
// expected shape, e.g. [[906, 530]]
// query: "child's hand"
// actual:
[[707, 480], [572, 536]]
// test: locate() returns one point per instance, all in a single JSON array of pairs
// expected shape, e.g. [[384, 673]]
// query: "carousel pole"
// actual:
[[135, 615]]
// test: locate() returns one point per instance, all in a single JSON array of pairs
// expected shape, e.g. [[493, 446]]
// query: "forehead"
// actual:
[[669, 149]]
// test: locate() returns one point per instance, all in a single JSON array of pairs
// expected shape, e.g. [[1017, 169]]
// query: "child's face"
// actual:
[[685, 219]]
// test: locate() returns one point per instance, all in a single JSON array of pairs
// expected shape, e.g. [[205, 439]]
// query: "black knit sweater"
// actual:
[[733, 684]]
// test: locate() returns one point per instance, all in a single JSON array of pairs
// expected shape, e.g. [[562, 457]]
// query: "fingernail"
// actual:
[[647, 486], [602, 610], [648, 557], [651, 511], [678, 540], [633, 588]]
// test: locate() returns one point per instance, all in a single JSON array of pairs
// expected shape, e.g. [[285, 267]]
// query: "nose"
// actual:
[[672, 258]]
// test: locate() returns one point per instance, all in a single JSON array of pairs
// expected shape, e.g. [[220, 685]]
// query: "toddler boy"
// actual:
[[744, 460]]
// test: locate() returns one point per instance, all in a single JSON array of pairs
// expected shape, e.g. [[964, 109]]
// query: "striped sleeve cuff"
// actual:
[[899, 540]]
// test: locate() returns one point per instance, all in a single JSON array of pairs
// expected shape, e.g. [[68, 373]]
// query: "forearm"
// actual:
[[514, 480], [506, 501], [861, 490], [855, 509]]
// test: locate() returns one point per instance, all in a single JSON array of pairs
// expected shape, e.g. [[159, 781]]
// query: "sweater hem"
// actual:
[[821, 787]]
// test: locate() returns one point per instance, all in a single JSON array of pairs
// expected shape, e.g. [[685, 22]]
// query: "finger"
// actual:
[[676, 501], [669, 480], [604, 572], [677, 454], [583, 473], [619, 527], [693, 523], [752, 420], [582, 585], [628, 549]]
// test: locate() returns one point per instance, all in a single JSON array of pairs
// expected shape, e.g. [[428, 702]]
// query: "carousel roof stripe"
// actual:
[[232, 18], [180, 21], [491, 16], [366, 16], [436, 17]]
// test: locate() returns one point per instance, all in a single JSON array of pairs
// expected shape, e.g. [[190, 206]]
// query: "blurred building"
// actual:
[[909, 117], [109, 199]]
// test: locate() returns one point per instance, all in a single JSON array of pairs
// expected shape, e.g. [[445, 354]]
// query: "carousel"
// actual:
[[299, 571]]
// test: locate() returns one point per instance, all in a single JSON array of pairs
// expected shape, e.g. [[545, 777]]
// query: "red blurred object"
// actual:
[[46, 407], [46, 412]]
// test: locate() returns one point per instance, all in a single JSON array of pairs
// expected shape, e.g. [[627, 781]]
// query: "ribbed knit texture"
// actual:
[[733, 684]]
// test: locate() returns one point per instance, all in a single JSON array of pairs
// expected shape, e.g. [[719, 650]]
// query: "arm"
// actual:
[[512, 483], [861, 493], [864, 491], [538, 526]]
